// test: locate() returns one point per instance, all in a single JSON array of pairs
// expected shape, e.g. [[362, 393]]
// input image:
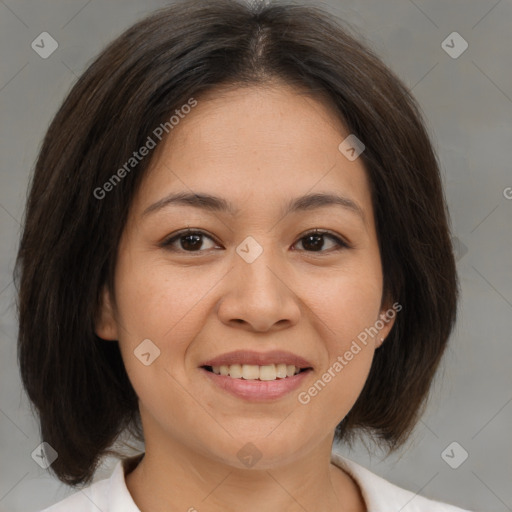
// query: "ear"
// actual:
[[387, 317], [105, 325]]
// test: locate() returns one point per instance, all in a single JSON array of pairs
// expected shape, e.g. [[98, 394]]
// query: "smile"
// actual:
[[254, 388], [256, 372]]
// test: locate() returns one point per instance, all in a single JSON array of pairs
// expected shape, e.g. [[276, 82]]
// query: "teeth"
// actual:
[[268, 372], [250, 371], [235, 371], [255, 372], [281, 370], [290, 370]]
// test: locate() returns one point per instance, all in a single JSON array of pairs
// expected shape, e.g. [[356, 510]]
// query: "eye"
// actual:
[[189, 240], [314, 241]]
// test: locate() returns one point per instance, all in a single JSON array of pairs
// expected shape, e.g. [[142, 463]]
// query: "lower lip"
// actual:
[[257, 390]]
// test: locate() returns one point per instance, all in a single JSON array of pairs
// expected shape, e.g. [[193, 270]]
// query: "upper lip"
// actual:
[[258, 358]]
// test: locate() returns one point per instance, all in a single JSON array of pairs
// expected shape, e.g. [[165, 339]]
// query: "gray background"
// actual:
[[468, 105]]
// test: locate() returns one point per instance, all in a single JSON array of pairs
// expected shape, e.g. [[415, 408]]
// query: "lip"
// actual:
[[257, 390], [258, 358]]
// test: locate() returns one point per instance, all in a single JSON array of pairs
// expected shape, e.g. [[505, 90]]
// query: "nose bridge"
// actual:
[[259, 265], [257, 293]]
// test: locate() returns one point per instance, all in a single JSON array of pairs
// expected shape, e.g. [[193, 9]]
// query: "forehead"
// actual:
[[264, 144]]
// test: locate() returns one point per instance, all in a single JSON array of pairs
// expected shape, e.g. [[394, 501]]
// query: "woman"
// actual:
[[236, 248]]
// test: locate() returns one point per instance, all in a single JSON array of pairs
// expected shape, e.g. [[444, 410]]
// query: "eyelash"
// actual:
[[167, 243]]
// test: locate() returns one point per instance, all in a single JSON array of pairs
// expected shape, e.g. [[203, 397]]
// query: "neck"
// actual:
[[172, 477]]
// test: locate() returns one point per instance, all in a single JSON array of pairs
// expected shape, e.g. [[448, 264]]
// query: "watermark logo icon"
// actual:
[[351, 147], [459, 249], [249, 455], [454, 455], [454, 45], [44, 45], [44, 455], [249, 249], [146, 352]]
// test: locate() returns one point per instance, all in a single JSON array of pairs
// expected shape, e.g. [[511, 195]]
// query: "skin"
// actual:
[[257, 147]]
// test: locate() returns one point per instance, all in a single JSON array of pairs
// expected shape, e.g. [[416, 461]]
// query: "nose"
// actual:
[[259, 296]]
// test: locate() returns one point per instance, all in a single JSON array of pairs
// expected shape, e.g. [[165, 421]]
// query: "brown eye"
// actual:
[[315, 241], [194, 241], [187, 241]]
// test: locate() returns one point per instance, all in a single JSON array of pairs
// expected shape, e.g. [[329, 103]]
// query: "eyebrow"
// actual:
[[218, 204]]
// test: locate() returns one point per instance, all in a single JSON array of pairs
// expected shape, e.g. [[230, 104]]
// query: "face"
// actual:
[[279, 279]]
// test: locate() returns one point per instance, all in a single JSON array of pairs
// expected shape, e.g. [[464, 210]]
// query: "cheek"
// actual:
[[348, 306], [347, 302], [156, 302], [167, 309]]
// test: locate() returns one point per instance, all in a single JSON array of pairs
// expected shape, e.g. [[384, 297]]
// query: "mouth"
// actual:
[[268, 372], [256, 377]]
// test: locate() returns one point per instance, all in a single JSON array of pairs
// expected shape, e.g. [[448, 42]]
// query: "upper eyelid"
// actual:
[[189, 231]]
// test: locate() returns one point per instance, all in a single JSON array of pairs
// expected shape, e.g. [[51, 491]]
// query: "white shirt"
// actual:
[[112, 495]]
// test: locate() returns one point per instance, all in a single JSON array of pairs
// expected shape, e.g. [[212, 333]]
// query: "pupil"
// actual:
[[192, 242], [316, 242]]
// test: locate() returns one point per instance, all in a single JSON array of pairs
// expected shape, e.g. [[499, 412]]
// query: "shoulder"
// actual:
[[378, 492], [89, 499], [107, 495]]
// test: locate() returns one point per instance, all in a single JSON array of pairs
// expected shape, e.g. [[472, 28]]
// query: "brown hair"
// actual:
[[76, 382]]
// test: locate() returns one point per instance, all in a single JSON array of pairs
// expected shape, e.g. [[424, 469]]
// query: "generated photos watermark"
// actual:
[[158, 133], [304, 397]]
